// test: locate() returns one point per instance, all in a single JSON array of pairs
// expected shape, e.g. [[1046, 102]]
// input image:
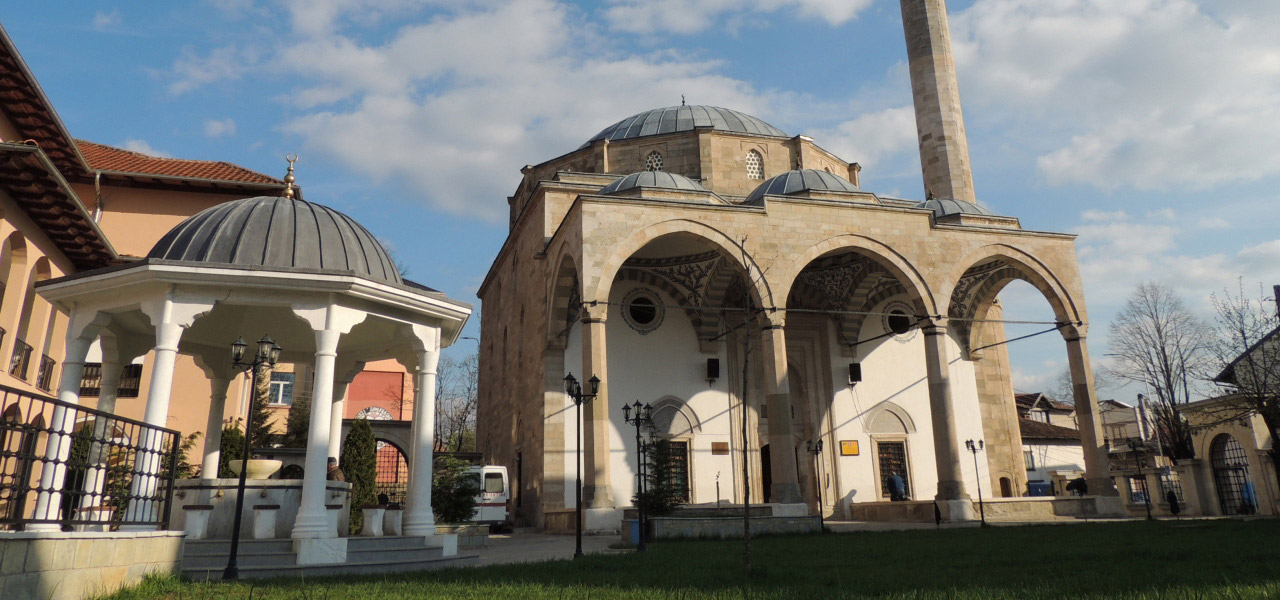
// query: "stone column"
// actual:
[[944, 147], [110, 371], [58, 447], [335, 418], [213, 428], [782, 443], [1097, 465], [419, 520], [952, 498], [142, 506], [597, 491], [312, 522]]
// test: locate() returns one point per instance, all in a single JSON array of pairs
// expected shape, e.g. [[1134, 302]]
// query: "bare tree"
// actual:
[[1158, 343], [456, 395], [1246, 352], [1063, 389]]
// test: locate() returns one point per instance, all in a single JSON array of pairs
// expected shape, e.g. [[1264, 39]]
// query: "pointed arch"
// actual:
[[888, 412], [682, 420], [564, 300]]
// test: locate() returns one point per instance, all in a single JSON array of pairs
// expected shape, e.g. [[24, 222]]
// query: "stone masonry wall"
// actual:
[[71, 566]]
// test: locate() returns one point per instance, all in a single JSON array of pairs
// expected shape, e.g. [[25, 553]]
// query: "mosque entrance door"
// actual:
[[766, 476]]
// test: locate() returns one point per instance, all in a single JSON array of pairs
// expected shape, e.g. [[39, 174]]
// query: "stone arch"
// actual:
[[887, 413], [564, 300], [894, 263], [678, 409], [598, 290], [987, 271]]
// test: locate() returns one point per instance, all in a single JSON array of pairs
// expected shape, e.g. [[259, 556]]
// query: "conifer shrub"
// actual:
[[662, 489], [359, 465], [453, 490], [230, 448]]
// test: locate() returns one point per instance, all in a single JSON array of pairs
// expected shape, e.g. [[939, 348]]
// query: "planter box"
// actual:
[[469, 536]]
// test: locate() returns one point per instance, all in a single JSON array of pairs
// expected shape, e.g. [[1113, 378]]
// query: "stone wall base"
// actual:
[[76, 565]]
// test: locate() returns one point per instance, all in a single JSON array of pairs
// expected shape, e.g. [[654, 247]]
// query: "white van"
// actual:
[[491, 502]]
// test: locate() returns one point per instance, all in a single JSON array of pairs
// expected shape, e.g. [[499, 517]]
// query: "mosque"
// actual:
[[704, 262]]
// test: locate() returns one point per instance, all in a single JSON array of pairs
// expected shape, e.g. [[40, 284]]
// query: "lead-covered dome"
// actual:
[[653, 179], [684, 118], [800, 180], [942, 207], [278, 233]]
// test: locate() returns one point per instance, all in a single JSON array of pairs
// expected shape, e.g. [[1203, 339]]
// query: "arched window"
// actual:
[[653, 162], [1236, 493], [755, 165]]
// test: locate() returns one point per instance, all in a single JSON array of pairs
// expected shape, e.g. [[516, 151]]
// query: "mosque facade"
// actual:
[[740, 281]]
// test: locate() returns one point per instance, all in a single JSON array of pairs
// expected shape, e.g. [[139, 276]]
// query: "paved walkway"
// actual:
[[537, 547]]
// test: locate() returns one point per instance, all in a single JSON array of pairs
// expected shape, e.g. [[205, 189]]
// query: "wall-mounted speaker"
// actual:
[[713, 369], [855, 373]]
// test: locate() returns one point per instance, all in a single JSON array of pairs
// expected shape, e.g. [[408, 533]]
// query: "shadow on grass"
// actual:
[[1187, 559]]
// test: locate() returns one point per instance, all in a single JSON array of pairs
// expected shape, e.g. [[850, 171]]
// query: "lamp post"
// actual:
[[642, 418], [268, 353], [974, 447], [815, 448], [574, 390], [1136, 446]]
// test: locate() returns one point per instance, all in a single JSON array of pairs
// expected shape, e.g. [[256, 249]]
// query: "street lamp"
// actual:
[[642, 418], [974, 447], [1136, 445], [815, 448], [574, 390], [268, 354]]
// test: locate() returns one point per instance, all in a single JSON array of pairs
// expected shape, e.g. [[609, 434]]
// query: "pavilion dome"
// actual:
[[800, 180], [653, 179], [278, 233], [942, 207], [684, 118]]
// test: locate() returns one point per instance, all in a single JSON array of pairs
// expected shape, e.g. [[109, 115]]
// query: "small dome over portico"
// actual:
[[800, 180]]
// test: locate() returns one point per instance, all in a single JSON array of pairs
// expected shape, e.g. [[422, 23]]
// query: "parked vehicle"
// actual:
[[495, 492]]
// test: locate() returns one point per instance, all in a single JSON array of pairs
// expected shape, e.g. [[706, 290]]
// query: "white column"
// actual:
[[312, 521], [335, 419], [142, 507], [951, 497], [418, 517], [58, 448], [109, 386], [213, 428]]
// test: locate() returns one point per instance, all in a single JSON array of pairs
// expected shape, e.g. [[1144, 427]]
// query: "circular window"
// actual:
[[899, 319], [642, 310]]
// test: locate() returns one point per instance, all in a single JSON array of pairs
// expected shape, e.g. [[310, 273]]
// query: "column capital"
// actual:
[[774, 320], [1072, 332], [594, 312], [935, 326]]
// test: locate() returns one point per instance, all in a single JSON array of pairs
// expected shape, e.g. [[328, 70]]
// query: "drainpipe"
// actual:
[[97, 192]]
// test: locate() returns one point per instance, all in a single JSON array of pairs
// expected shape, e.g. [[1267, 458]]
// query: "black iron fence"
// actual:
[[20, 359], [70, 467]]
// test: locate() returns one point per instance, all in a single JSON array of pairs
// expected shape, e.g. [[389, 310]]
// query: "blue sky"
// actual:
[[1150, 128]]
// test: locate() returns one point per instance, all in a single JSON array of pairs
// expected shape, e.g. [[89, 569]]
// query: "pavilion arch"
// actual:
[[683, 419], [986, 272], [598, 290], [565, 302], [40, 271], [894, 263]]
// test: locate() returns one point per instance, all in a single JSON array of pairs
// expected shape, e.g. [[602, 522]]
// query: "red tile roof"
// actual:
[[107, 158], [1035, 430]]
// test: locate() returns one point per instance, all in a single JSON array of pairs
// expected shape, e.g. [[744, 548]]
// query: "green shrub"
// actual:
[[662, 492], [359, 464], [453, 490], [297, 425], [230, 448]]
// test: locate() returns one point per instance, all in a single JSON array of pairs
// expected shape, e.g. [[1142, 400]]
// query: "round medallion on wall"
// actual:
[[642, 310], [899, 318]]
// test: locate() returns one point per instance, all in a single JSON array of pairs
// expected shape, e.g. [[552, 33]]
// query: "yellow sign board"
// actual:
[[848, 447]]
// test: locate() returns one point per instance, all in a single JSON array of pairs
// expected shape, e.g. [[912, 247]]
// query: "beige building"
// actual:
[[740, 281]]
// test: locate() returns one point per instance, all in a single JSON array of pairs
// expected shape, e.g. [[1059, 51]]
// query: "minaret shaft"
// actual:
[[944, 148]]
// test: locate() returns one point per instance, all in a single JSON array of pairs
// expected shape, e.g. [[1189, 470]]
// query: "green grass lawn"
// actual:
[[1165, 559]]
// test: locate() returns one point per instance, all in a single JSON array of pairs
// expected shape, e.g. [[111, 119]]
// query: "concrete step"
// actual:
[[371, 557], [312, 571], [247, 547], [383, 543], [211, 561]]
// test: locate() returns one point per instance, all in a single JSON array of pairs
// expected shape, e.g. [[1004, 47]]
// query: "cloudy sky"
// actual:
[[1150, 128]]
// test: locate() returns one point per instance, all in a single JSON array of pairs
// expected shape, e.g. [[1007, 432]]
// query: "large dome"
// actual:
[[684, 118], [277, 232], [800, 180]]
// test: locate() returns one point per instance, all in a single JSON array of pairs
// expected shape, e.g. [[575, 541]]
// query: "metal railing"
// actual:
[[21, 358], [68, 467], [44, 375]]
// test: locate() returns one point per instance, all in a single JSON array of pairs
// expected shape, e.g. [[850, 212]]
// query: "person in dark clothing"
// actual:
[[1172, 499], [1078, 486], [897, 487], [335, 473]]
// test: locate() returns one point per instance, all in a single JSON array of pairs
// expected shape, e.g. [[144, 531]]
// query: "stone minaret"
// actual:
[[944, 148]]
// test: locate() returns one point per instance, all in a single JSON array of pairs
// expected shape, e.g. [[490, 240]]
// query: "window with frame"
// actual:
[[282, 389], [755, 165], [1029, 457], [653, 162], [1171, 483], [892, 458], [130, 381], [1137, 492]]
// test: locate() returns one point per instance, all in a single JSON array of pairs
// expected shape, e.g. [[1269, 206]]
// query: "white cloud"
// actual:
[[103, 20], [873, 138], [142, 147], [1152, 94], [1213, 223], [219, 128], [693, 16], [191, 71]]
